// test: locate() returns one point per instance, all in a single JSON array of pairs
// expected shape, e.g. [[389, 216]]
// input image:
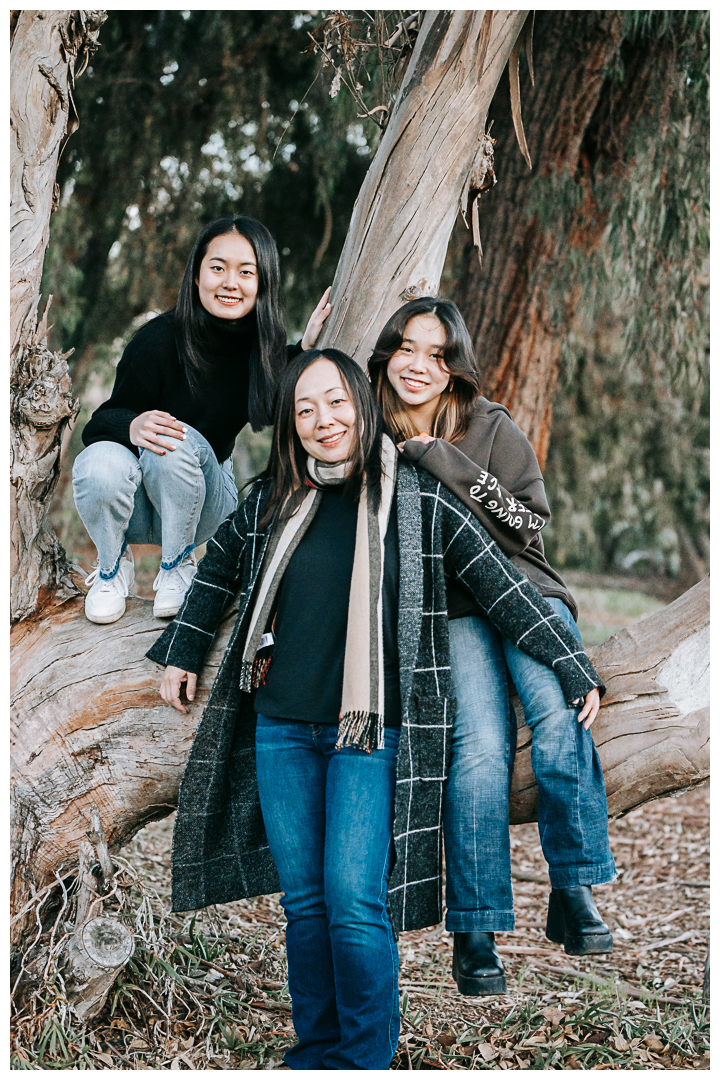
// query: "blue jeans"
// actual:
[[572, 807], [328, 816], [176, 500]]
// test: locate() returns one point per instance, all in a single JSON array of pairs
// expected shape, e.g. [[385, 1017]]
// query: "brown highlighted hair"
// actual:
[[287, 465], [456, 402]]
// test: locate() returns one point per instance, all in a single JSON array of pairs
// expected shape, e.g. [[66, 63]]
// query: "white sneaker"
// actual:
[[171, 587], [105, 603]]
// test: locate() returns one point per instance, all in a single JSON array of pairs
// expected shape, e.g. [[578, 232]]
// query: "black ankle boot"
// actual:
[[477, 967], [574, 921]]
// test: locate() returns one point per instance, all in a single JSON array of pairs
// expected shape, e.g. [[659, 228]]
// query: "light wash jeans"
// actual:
[[572, 810], [176, 500], [328, 816]]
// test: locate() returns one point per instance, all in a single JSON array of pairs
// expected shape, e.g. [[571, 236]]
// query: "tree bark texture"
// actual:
[[91, 730], [407, 206], [576, 118], [46, 46]]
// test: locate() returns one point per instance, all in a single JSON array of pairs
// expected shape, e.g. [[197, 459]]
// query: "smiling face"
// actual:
[[228, 278], [417, 371], [324, 413]]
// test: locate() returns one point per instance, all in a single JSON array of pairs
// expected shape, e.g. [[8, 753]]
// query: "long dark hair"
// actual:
[[287, 466], [456, 401], [193, 322]]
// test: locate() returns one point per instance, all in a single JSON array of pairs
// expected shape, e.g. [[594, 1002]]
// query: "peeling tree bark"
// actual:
[[404, 215], [46, 46]]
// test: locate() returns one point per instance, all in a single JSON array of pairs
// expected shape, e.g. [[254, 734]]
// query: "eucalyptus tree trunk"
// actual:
[[577, 118], [46, 46], [407, 206]]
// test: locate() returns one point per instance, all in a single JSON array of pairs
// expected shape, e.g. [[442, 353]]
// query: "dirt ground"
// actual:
[[210, 991]]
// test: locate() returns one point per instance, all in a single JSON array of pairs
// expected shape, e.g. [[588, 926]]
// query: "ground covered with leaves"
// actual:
[[210, 992]]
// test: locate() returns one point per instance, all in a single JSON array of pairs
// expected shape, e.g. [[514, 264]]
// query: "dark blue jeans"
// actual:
[[572, 808], [328, 816]]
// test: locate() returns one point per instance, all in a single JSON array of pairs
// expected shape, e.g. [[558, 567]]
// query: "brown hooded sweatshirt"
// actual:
[[494, 472]]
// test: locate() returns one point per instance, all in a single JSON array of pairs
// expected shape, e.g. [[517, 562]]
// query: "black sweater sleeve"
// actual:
[[138, 385]]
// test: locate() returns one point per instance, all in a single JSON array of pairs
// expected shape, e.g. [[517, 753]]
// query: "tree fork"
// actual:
[[404, 215]]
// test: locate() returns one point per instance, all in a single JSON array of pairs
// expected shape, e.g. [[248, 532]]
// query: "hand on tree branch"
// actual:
[[171, 685], [316, 320], [590, 708]]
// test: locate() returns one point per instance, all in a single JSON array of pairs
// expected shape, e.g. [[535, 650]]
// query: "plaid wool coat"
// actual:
[[220, 850]]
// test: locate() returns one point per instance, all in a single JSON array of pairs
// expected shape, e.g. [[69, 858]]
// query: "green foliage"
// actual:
[[186, 116]]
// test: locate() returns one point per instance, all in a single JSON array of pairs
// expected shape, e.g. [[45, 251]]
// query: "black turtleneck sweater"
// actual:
[[150, 375]]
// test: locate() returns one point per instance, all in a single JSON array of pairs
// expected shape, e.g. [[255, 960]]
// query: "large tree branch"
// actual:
[[90, 727], [407, 206]]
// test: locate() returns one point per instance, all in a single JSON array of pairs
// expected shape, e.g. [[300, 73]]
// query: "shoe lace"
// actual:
[[107, 584], [178, 578]]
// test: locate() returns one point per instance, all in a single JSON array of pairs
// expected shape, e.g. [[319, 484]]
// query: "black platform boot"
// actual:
[[477, 968], [574, 922]]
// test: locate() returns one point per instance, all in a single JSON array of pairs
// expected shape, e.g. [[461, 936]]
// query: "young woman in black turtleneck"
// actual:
[[157, 468]]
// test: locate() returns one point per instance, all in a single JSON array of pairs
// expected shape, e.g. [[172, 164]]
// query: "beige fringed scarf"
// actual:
[[363, 705]]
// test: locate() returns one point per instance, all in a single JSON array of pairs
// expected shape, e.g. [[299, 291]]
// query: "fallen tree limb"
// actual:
[[90, 729]]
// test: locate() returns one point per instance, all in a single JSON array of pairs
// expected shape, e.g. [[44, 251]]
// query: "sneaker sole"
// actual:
[[103, 619], [166, 613]]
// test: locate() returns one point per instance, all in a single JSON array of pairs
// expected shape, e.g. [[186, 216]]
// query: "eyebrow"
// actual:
[[333, 390], [219, 258], [412, 341]]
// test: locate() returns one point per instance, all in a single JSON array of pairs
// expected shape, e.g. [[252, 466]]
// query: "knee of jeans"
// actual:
[[554, 733], [192, 450], [484, 745], [303, 900], [354, 902], [104, 466]]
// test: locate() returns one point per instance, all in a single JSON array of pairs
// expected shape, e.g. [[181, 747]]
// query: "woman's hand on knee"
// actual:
[[590, 708], [171, 684], [147, 430]]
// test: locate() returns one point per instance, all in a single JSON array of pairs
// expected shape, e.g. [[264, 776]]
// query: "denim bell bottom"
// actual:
[[572, 809], [176, 500], [328, 817]]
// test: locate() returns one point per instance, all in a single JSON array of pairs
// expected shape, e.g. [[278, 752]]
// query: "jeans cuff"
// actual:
[[113, 572], [176, 562], [567, 877], [466, 922]]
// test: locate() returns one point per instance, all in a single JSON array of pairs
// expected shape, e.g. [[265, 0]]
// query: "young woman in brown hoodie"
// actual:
[[426, 379]]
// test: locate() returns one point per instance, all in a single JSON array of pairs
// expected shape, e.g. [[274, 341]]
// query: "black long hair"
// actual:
[[456, 401], [192, 322], [287, 465]]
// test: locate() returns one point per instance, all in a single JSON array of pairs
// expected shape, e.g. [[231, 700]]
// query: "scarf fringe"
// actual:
[[362, 730], [252, 674]]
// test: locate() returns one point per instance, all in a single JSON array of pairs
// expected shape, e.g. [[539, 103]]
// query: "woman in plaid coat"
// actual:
[[344, 818]]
